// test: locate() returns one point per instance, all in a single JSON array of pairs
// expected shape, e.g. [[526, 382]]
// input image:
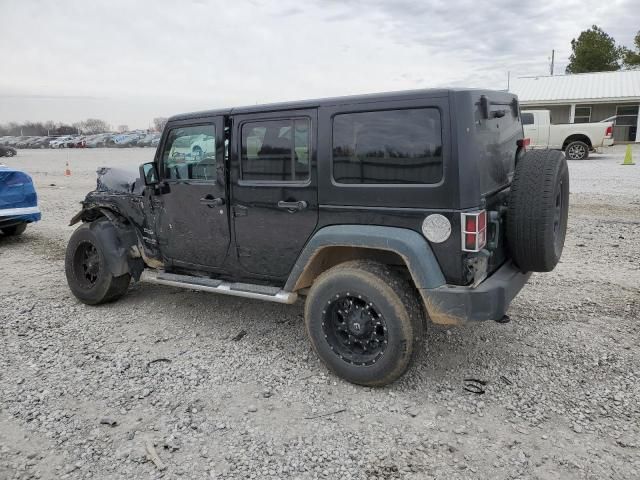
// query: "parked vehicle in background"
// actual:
[[77, 142], [15, 140], [7, 151], [18, 201], [147, 140], [99, 140], [383, 210], [60, 142], [575, 139], [127, 139], [24, 143], [41, 142]]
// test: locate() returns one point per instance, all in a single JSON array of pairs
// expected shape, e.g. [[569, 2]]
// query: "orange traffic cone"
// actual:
[[67, 171]]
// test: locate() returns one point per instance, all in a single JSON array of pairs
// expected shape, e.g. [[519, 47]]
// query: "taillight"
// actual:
[[609, 131], [524, 142], [474, 231]]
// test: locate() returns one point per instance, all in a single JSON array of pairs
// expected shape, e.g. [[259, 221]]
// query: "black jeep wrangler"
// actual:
[[382, 210]]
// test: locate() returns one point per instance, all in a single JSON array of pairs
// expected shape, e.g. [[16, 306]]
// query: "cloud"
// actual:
[[163, 56]]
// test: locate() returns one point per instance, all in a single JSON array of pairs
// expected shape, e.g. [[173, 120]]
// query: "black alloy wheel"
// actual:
[[354, 329], [88, 271], [87, 264], [365, 321]]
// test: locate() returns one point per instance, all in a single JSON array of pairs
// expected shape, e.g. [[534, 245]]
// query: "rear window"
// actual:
[[388, 147], [276, 150], [527, 118]]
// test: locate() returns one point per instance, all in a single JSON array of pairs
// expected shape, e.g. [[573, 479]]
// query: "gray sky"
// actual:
[[127, 62]]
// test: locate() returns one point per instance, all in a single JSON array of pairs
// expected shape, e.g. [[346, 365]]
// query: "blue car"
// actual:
[[18, 201]]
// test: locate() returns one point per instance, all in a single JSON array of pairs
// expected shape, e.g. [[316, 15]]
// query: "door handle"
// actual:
[[211, 201], [292, 206]]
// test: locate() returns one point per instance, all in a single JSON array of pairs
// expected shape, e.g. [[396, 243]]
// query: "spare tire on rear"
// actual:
[[538, 210]]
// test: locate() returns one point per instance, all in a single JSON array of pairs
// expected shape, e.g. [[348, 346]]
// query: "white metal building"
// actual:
[[586, 97]]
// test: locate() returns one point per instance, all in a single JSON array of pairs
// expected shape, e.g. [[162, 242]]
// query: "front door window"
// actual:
[[190, 153]]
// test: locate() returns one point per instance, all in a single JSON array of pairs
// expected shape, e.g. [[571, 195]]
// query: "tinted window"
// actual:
[[527, 118], [275, 150], [627, 115], [393, 146], [190, 153]]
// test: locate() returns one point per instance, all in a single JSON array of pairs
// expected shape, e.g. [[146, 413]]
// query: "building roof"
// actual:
[[583, 87]]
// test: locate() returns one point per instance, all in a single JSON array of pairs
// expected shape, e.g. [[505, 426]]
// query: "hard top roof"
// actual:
[[301, 104]]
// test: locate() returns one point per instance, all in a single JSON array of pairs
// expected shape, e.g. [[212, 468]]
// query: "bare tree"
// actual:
[[159, 123], [94, 125]]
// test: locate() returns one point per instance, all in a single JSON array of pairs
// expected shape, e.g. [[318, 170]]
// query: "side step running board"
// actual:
[[246, 290]]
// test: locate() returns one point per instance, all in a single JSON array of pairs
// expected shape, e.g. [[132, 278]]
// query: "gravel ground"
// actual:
[[84, 390]]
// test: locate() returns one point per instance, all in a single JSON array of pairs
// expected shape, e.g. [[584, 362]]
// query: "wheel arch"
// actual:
[[577, 137], [391, 245]]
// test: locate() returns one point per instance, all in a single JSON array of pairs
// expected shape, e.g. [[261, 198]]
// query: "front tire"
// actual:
[[577, 151], [87, 272], [365, 322], [15, 230]]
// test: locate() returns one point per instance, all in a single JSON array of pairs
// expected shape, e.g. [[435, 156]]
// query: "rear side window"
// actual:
[[527, 118], [276, 150], [388, 147]]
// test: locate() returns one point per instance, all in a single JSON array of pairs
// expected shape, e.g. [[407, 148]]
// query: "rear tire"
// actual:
[[87, 272], [577, 151], [365, 322], [15, 230], [538, 210]]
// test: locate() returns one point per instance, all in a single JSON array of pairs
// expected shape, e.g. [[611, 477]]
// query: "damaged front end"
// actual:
[[120, 199]]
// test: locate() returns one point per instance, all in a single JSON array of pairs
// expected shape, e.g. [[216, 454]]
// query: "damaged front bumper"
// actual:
[[454, 305]]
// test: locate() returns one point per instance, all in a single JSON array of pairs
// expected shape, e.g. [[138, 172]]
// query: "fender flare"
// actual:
[[120, 242], [412, 247]]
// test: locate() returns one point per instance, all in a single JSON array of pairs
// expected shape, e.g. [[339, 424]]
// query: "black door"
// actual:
[[192, 223], [274, 189]]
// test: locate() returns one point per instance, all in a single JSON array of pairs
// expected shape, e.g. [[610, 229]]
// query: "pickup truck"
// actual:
[[574, 139]]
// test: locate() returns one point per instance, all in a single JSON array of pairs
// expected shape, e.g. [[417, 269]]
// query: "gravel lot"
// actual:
[[83, 390]]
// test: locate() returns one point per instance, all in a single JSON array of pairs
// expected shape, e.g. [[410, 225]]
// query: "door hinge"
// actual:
[[240, 211]]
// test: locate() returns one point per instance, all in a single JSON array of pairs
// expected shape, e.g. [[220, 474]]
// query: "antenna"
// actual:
[[553, 56]]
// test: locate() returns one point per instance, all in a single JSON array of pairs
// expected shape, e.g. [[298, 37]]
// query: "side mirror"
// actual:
[[149, 173]]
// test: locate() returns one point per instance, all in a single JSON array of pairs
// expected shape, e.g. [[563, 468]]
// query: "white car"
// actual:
[[193, 147], [576, 140], [60, 142]]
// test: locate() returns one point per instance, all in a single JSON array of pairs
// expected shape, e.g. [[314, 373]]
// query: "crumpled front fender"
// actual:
[[120, 247]]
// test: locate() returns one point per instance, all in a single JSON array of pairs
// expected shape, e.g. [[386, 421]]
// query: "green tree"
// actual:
[[631, 58], [594, 51]]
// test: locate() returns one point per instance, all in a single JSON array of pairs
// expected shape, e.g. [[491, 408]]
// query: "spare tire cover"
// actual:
[[538, 210]]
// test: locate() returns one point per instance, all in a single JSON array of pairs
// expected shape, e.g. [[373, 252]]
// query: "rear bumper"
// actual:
[[16, 216], [490, 300]]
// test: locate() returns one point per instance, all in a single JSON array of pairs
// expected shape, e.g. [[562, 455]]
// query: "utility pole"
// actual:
[[508, 80], [553, 56]]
